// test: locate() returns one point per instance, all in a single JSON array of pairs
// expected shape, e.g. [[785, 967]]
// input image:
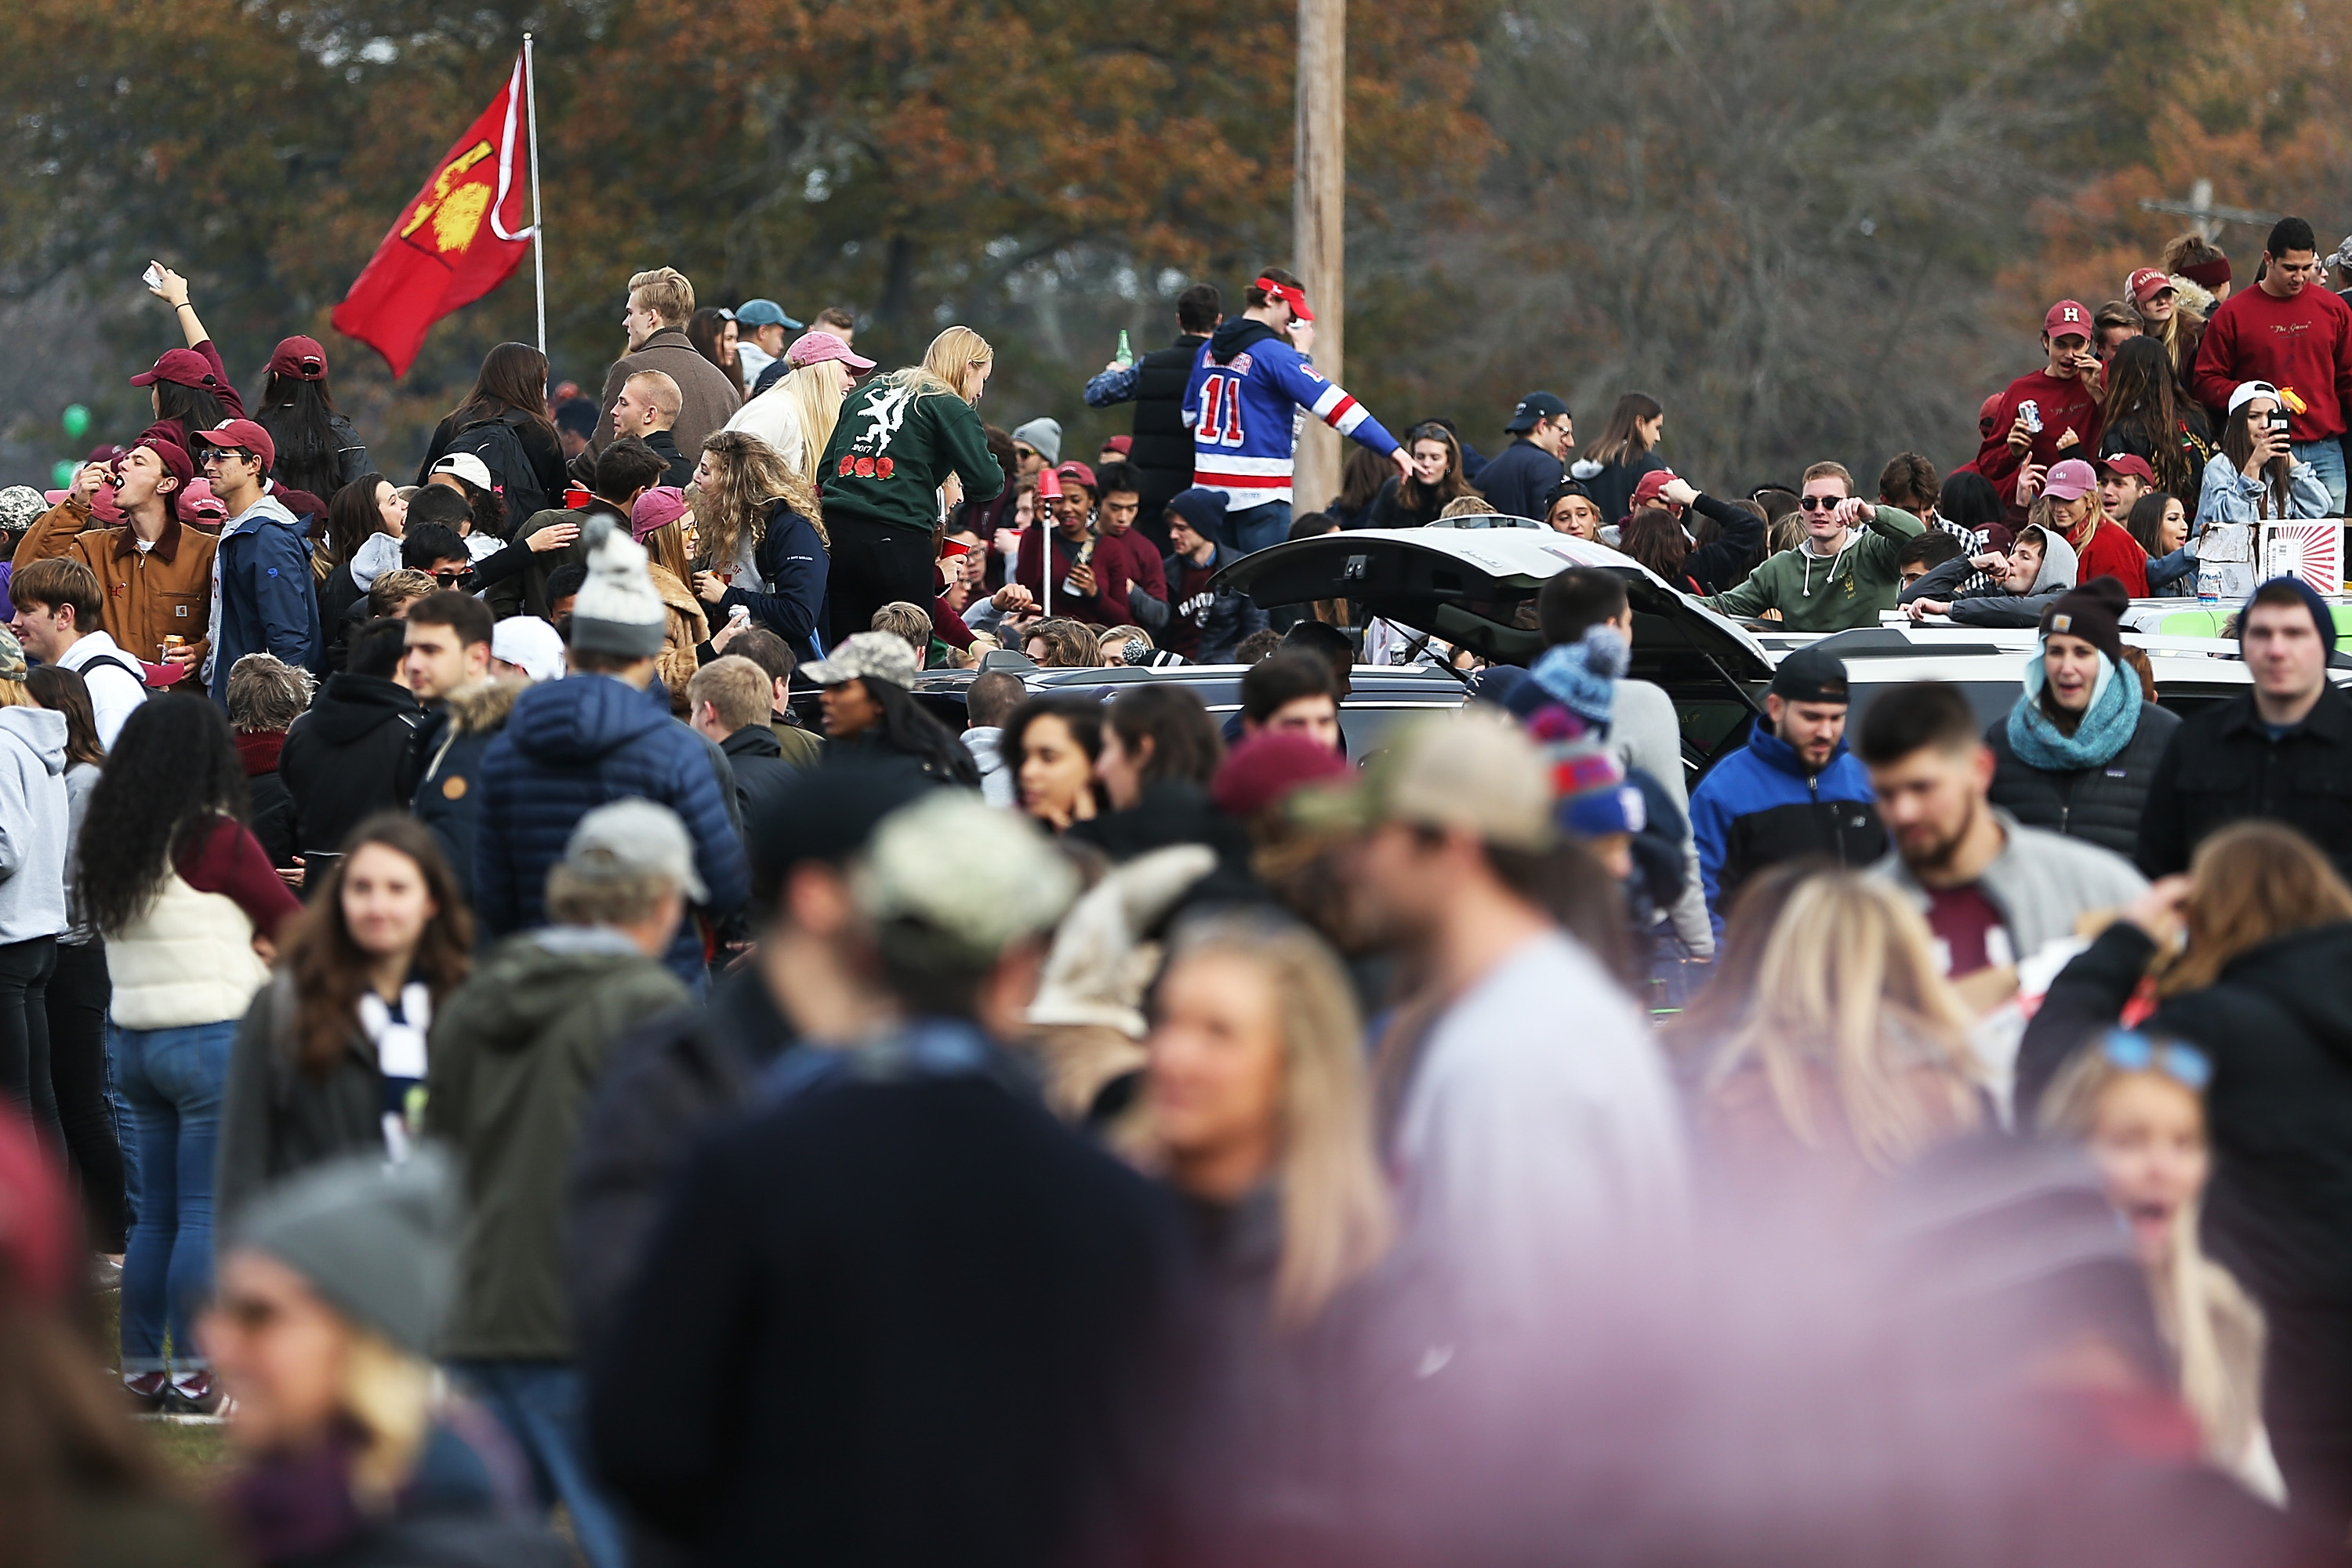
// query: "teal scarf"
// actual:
[[2105, 729]]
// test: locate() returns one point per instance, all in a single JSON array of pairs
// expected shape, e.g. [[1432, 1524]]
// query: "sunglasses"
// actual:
[[450, 579], [1024, 453], [1821, 503], [215, 454], [2135, 1052]]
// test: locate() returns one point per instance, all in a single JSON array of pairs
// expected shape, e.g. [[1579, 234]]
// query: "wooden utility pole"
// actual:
[[1318, 222]]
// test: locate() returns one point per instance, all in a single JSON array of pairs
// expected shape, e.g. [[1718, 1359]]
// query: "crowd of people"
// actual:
[[552, 1026]]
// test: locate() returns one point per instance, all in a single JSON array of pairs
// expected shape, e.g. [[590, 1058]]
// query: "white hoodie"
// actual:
[[33, 818]]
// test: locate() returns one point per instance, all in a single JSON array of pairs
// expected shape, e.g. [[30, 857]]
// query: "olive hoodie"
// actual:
[[515, 1053], [1833, 594]]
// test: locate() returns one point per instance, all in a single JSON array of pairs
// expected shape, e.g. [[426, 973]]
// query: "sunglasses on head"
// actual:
[[2135, 1052]]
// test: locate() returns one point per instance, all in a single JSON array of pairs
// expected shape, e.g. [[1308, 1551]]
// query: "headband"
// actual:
[[1292, 297]]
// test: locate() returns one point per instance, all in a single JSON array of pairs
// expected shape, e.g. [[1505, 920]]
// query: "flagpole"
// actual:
[[538, 231]]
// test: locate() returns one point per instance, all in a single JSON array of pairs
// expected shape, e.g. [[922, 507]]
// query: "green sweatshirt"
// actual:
[[1834, 594], [892, 449]]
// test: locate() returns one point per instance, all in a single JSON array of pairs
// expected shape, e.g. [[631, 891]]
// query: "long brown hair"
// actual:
[[61, 690], [328, 971], [1654, 537], [2143, 402], [2251, 883], [707, 330], [2238, 445], [1621, 439], [1450, 486], [513, 380]]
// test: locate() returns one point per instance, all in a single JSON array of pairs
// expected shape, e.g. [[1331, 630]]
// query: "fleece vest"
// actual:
[[188, 959]]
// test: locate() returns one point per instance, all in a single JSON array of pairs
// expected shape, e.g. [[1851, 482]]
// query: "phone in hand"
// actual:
[[153, 275], [2276, 419]]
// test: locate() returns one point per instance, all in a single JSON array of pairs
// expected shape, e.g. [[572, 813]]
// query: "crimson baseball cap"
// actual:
[[172, 456], [2146, 284], [2067, 318], [181, 367], [1075, 472], [2131, 464], [252, 437], [300, 358], [2070, 480], [1647, 491]]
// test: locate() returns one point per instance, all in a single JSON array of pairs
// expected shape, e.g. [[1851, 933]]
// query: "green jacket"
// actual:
[[892, 449], [1834, 596], [514, 1055]]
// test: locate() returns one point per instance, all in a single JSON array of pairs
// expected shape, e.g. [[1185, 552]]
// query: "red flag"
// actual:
[[454, 242]]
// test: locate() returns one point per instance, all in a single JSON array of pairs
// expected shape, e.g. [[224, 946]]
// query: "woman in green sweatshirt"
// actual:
[[899, 438]]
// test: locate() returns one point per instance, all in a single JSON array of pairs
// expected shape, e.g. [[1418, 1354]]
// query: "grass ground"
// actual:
[[199, 1448]]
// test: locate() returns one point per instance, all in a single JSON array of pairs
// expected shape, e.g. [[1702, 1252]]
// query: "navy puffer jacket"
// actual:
[[573, 745]]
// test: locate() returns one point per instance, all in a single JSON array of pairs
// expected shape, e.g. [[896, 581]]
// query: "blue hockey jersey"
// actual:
[[1245, 383]]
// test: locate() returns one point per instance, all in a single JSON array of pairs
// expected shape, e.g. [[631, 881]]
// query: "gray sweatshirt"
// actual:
[[33, 823]]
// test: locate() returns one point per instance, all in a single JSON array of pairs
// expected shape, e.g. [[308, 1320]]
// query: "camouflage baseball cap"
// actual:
[[982, 877], [866, 656], [20, 506], [12, 656]]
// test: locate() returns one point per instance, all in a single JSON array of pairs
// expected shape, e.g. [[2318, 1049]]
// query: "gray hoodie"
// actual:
[[33, 818], [1997, 607], [984, 742]]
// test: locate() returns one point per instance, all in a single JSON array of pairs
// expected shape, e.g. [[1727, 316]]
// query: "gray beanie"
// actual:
[[1045, 434], [379, 1245], [617, 610]]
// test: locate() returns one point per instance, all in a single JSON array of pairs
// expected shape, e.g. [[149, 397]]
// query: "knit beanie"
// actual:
[[1595, 798], [1045, 434], [2321, 615], [379, 1245], [617, 611], [1203, 510], [1583, 675], [2093, 612]]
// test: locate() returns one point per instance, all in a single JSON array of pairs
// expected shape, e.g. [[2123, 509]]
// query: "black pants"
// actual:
[[79, 994], [24, 968], [871, 565]]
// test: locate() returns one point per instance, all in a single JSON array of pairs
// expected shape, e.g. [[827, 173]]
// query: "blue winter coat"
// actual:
[[1758, 807], [266, 602], [573, 745]]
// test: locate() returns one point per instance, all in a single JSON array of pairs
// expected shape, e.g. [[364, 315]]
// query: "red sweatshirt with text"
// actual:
[[2303, 345]]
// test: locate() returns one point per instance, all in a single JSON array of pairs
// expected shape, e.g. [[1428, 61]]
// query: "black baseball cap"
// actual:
[[1810, 675], [1534, 407]]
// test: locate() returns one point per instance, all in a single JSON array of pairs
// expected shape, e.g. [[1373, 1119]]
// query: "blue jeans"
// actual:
[[174, 1079], [542, 1405], [2326, 460], [1252, 530]]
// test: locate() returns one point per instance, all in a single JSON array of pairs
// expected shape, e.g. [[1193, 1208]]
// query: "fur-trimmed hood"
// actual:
[[480, 709]]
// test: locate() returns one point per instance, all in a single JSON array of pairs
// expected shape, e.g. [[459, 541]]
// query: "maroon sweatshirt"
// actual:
[[2303, 345], [2065, 405]]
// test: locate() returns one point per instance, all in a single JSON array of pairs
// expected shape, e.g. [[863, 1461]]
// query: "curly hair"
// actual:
[[172, 773], [329, 970], [748, 477]]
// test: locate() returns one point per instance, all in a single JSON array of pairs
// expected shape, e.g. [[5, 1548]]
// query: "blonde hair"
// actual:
[[1827, 470], [813, 394], [953, 352], [907, 621], [2193, 1290], [747, 479], [665, 292], [16, 694], [2250, 883], [661, 391], [389, 1394], [665, 548], [1471, 505], [1851, 992], [401, 586], [738, 691], [1336, 1219]]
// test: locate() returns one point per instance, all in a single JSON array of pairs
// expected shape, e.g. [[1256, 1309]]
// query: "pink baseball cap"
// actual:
[[2146, 284], [2070, 480], [2067, 318], [655, 509], [816, 346]]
